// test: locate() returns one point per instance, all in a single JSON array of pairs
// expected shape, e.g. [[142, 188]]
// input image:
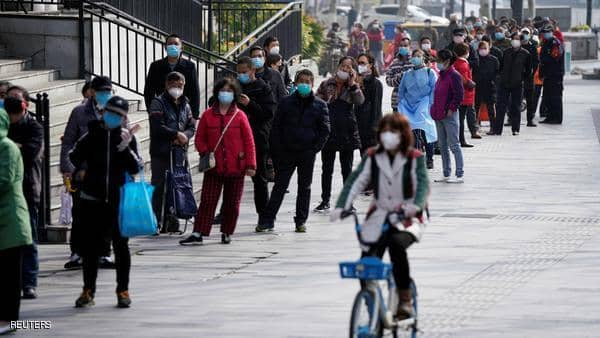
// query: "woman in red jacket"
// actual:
[[467, 105], [223, 129]]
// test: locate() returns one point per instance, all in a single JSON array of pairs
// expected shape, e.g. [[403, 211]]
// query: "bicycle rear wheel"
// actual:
[[413, 287], [364, 312]]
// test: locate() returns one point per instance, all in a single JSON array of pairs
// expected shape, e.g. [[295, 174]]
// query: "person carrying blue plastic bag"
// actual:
[[415, 97], [102, 157], [136, 217]]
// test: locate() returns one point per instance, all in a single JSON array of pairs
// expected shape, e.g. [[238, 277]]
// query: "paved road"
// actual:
[[513, 252]]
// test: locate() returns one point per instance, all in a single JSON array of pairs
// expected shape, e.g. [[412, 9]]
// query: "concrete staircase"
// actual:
[[64, 95]]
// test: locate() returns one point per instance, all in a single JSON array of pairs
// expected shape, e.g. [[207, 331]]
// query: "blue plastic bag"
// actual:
[[136, 217]]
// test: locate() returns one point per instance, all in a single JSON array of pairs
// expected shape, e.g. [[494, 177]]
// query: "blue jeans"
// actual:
[[447, 130], [30, 253]]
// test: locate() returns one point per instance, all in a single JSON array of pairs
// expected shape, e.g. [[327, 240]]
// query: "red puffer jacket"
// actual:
[[236, 152], [462, 67]]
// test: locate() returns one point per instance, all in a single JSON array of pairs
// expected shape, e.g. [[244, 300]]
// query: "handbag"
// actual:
[[136, 217], [208, 161]]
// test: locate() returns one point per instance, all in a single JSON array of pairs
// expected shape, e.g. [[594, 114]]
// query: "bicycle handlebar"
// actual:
[[391, 218]]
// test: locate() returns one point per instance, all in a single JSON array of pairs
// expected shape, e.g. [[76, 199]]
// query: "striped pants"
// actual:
[[212, 185]]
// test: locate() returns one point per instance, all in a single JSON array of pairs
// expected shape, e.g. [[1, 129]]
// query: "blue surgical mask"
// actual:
[[225, 97], [112, 120], [173, 51], [416, 61], [244, 78], [403, 51], [499, 36], [1, 103], [526, 37], [258, 62], [441, 66], [304, 89], [102, 98], [470, 27], [478, 24], [548, 35]]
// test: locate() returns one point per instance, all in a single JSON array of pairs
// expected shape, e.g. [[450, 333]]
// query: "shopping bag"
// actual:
[[136, 217], [483, 113], [180, 198], [66, 205]]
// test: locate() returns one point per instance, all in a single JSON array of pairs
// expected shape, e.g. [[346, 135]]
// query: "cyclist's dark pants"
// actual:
[[397, 241]]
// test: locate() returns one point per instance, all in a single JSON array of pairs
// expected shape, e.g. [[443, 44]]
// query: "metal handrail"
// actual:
[[267, 24]]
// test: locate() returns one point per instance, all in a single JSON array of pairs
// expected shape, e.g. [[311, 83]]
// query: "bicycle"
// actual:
[[371, 315]]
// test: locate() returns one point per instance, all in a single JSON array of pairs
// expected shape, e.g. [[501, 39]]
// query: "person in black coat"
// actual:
[[107, 151], [528, 88], [28, 135], [552, 72], [485, 76], [171, 125], [258, 103], [369, 112], [157, 74], [342, 94], [300, 130], [515, 69]]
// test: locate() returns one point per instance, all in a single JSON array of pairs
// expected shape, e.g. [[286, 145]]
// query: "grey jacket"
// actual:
[[76, 127]]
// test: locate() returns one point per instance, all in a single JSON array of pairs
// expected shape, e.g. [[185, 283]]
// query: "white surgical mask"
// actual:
[[343, 75], [274, 50], [389, 140], [484, 52], [515, 43], [175, 92], [363, 69], [426, 46], [458, 39], [479, 36]]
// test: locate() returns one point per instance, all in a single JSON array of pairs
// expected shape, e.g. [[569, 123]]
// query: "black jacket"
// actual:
[[76, 127], [300, 125], [516, 67], [275, 81], [485, 76], [157, 75], [369, 112], [473, 55], [497, 52], [260, 112], [552, 60], [166, 120], [531, 46], [29, 133], [106, 166]]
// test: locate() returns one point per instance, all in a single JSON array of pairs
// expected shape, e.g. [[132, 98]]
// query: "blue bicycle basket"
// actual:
[[367, 268]]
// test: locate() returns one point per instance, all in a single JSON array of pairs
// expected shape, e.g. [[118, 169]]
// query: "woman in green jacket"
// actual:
[[15, 231]]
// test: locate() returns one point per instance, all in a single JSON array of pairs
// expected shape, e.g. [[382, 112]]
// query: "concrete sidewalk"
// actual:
[[513, 252]]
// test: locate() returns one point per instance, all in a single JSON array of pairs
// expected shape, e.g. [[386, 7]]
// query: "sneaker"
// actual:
[[515, 133], [86, 299], [300, 228], [456, 180], [466, 145], [531, 124], [264, 228], [323, 207], [123, 300], [491, 133], [74, 262], [194, 238], [29, 293], [444, 179], [106, 263], [218, 219], [225, 238], [476, 136]]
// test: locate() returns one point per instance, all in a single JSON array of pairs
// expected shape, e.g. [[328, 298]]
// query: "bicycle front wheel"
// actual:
[[365, 312]]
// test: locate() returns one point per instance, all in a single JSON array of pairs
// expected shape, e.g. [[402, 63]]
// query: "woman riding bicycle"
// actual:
[[398, 174]]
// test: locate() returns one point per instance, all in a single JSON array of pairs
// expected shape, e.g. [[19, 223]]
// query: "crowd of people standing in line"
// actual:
[[262, 117]]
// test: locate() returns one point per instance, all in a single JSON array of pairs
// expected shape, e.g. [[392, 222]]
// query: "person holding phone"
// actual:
[[342, 94]]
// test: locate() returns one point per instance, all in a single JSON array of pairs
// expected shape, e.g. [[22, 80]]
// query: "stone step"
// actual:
[[10, 66], [3, 51], [591, 76], [31, 78]]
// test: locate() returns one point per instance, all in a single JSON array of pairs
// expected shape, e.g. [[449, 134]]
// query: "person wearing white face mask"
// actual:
[[485, 77], [459, 36], [528, 90], [369, 112], [515, 69], [171, 125], [398, 175], [271, 46]]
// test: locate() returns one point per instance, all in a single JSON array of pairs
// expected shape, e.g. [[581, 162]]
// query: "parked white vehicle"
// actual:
[[390, 13]]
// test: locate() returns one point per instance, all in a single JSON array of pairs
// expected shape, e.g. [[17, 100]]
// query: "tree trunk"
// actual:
[[531, 6], [402, 12], [333, 10]]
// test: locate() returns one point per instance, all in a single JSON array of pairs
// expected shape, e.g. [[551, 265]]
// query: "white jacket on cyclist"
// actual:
[[401, 183]]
